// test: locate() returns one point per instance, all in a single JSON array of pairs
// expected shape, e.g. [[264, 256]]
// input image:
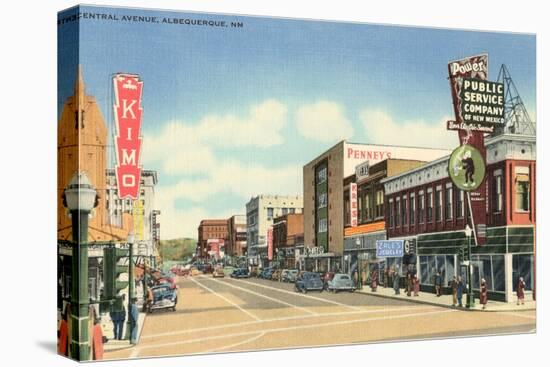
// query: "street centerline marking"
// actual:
[[286, 318], [262, 295], [296, 327], [228, 301], [299, 294]]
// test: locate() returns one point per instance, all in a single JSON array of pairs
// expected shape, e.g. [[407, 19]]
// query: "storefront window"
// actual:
[[523, 266], [398, 212], [491, 268], [430, 265]]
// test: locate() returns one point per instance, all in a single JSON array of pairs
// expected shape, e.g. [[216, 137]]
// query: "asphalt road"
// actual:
[[224, 314]]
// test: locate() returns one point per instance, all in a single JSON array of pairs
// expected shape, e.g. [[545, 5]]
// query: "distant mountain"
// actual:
[[177, 249]]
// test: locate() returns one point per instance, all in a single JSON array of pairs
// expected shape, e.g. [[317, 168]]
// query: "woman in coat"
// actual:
[[520, 291], [483, 294], [396, 282], [374, 280], [416, 285]]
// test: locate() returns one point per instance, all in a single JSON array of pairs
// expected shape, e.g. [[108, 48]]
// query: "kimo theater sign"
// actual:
[[127, 112]]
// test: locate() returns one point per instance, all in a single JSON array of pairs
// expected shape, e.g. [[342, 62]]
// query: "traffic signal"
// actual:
[[112, 271], [462, 254]]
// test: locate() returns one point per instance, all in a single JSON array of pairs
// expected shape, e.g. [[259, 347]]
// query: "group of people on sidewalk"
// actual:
[[96, 337], [456, 284]]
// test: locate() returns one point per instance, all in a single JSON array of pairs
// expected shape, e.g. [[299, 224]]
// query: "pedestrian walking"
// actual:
[[460, 290], [416, 285], [520, 291], [409, 283], [63, 342], [374, 280], [483, 294], [386, 277], [438, 284], [454, 287], [396, 282], [133, 317]]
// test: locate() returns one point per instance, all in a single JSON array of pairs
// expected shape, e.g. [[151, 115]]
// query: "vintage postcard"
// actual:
[[231, 183]]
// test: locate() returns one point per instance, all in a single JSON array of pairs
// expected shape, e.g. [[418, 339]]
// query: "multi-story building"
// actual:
[[324, 194], [424, 207], [288, 237], [141, 210], [235, 246], [260, 213], [364, 194], [212, 234]]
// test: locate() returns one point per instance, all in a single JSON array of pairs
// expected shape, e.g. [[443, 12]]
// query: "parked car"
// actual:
[[341, 282], [276, 275], [163, 297], [266, 273], [194, 272], [284, 273], [218, 272], [290, 276], [309, 281], [240, 273], [208, 268]]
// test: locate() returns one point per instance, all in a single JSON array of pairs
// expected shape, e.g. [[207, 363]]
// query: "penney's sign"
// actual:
[[127, 112]]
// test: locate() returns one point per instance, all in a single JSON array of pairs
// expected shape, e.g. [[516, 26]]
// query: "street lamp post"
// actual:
[[80, 198], [131, 283], [470, 301], [359, 280]]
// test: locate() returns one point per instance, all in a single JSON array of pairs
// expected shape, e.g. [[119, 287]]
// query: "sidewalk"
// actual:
[[113, 344], [447, 300]]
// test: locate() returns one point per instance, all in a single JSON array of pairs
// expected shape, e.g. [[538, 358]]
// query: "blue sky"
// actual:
[[281, 91]]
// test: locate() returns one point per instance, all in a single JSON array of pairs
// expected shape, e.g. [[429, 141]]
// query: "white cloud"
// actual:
[[381, 128], [186, 142], [323, 121], [189, 151], [229, 177]]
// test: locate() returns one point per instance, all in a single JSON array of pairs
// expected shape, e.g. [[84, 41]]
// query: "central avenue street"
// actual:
[[225, 314]]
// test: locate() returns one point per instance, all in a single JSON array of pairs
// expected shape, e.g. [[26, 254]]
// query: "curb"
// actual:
[[412, 300], [128, 346]]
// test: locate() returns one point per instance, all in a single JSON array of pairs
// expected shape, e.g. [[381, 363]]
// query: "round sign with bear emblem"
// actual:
[[466, 168]]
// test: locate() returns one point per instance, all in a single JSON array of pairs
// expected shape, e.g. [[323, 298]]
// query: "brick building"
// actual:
[[235, 245], [424, 207], [211, 231], [288, 236]]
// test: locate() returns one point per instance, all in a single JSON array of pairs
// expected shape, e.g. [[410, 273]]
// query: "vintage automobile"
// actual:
[[266, 273], [309, 281], [283, 275], [218, 272], [163, 297], [290, 276], [341, 282], [240, 273]]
